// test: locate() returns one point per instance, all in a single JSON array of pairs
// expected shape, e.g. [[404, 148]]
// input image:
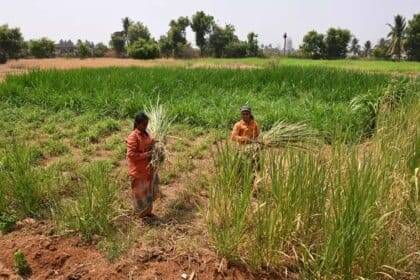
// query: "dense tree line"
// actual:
[[403, 40], [213, 40]]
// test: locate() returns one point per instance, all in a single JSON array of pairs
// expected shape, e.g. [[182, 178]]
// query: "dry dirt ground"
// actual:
[[24, 65]]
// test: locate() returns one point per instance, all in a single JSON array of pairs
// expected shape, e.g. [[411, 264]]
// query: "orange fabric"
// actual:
[[142, 196], [138, 145], [243, 132], [140, 171]]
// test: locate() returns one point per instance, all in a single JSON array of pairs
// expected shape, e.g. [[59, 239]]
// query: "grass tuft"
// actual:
[[94, 211], [21, 264]]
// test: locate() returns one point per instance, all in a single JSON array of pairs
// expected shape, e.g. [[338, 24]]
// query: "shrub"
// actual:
[[236, 49], [185, 51], [100, 50], [143, 49], [84, 49], [42, 48], [3, 57]]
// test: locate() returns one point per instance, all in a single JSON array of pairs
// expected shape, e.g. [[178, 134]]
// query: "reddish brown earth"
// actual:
[[57, 257]]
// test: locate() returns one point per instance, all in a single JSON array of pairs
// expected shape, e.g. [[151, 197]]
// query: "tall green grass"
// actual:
[[26, 190], [93, 212], [203, 97], [342, 212]]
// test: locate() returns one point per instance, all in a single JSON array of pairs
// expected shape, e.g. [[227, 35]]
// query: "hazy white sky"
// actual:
[[96, 19]]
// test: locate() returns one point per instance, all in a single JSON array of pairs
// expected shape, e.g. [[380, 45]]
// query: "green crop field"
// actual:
[[206, 97], [346, 208], [380, 66]]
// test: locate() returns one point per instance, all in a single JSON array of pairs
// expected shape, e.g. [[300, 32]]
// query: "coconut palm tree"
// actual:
[[367, 48], [397, 36]]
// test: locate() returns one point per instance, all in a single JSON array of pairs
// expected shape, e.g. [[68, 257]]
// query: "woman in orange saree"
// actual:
[[142, 175]]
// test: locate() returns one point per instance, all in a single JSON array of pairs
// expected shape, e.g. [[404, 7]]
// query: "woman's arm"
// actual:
[[236, 137]]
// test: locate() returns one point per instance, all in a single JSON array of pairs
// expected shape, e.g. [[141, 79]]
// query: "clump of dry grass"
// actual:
[[297, 135], [159, 124]]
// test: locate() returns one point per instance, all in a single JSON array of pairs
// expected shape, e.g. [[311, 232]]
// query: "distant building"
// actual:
[[289, 46], [270, 50]]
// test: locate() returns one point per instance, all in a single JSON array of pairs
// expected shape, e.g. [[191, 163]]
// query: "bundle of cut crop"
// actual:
[[159, 124], [297, 135]]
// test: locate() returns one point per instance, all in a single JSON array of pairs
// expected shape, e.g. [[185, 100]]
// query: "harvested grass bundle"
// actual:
[[297, 135], [159, 123]]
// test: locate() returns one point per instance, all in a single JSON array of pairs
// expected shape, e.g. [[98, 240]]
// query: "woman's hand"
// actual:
[[146, 155], [151, 145]]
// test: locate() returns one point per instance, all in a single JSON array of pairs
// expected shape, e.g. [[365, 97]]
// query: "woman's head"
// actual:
[[141, 121], [246, 114]]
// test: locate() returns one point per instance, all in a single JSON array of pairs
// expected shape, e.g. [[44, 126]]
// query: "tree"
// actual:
[[253, 48], [367, 49], [100, 50], [137, 31], [24, 51], [220, 38], [11, 42], [355, 47], [177, 35], [126, 22], [381, 49], [84, 49], [118, 42], [3, 57], [397, 36], [412, 43], [313, 45], [202, 25], [165, 46], [336, 43], [144, 49], [42, 48]]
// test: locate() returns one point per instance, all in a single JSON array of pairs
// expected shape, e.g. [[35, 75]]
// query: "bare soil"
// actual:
[[24, 65]]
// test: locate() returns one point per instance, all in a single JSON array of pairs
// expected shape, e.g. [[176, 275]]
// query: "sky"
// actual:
[[95, 20]]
